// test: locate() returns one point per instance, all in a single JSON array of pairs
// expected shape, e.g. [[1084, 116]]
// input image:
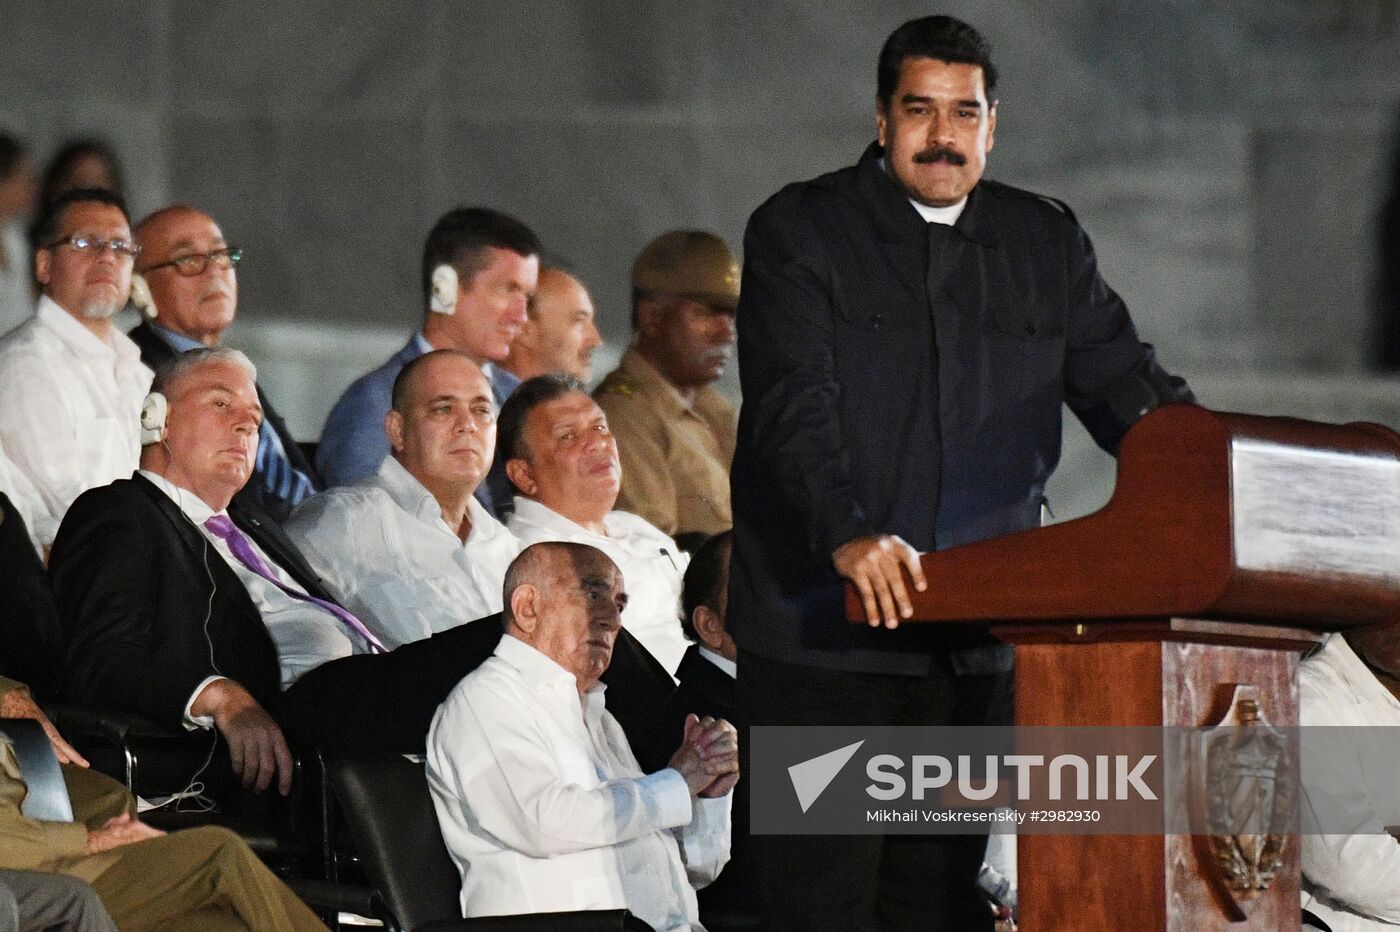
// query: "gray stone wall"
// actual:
[[1228, 158]]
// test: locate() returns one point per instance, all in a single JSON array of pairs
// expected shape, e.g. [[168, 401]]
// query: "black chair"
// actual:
[[385, 803]]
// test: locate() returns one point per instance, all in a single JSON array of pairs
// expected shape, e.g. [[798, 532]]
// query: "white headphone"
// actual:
[[153, 412], [141, 295], [444, 298]]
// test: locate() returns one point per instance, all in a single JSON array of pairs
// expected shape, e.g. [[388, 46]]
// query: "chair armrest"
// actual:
[[117, 728]]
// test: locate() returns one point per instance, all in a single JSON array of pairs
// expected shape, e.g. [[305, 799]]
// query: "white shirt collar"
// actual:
[[413, 497], [527, 509], [724, 663], [538, 669], [944, 215], [406, 491], [80, 339], [194, 507]]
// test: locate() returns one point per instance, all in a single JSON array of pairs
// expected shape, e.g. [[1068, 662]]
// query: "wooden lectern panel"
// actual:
[[1214, 515], [1147, 883]]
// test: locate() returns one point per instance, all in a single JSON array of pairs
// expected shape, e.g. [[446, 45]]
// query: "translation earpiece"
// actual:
[[444, 299], [141, 295], [153, 411]]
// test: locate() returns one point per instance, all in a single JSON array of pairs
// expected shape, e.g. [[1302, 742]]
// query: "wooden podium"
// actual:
[[1229, 543]]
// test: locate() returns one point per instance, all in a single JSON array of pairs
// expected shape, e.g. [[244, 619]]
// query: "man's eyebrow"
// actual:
[[226, 390]]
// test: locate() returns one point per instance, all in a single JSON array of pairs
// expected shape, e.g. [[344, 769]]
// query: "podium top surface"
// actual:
[[1214, 515]]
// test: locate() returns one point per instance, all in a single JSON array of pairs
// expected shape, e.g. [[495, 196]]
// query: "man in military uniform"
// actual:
[[675, 430]]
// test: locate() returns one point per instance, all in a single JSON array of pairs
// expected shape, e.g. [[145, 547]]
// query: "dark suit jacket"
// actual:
[[154, 351], [878, 401], [131, 579], [705, 689], [132, 575], [29, 644]]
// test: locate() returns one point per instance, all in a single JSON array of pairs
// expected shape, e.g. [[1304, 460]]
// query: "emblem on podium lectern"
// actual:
[[1246, 788]]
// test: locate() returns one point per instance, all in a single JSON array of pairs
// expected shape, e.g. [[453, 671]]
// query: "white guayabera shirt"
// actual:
[[544, 808], [70, 417], [383, 549]]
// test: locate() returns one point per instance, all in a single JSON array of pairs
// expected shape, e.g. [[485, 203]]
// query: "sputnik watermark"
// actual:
[[935, 772], [948, 780]]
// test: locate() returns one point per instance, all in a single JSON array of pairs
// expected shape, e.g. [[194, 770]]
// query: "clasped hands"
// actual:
[[708, 757]]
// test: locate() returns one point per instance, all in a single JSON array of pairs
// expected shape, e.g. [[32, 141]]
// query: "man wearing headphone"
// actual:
[[480, 268]]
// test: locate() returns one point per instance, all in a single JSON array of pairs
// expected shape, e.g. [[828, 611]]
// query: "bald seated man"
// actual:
[[410, 550], [189, 271], [541, 801], [155, 573], [559, 333]]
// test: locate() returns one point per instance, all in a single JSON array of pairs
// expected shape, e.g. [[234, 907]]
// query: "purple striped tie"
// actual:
[[222, 527]]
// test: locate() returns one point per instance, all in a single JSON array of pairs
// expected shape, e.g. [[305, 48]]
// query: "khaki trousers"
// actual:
[[201, 880]]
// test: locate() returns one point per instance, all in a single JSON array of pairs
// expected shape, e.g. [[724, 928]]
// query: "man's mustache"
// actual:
[[940, 154]]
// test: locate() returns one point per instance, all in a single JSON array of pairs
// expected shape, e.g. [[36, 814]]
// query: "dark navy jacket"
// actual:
[[871, 407]]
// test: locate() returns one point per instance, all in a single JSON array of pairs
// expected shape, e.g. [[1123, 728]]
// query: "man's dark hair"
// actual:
[[462, 237], [705, 578], [528, 395], [941, 37], [50, 214], [12, 151], [55, 181]]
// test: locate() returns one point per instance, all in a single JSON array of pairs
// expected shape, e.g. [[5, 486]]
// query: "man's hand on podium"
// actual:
[[874, 565]]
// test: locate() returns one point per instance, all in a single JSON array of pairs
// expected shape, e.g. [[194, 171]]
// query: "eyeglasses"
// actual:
[[92, 246], [196, 262]]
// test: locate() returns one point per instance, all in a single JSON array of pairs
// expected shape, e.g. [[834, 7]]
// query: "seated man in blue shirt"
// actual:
[[188, 289], [480, 268]]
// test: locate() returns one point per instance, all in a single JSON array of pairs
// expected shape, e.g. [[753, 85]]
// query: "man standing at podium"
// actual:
[[908, 332]]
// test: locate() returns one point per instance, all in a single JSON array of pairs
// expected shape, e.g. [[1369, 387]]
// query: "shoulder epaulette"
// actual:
[[618, 387]]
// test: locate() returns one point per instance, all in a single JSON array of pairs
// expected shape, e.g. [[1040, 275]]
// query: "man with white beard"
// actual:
[[72, 383]]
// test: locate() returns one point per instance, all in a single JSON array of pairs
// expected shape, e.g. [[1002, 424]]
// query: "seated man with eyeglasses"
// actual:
[[72, 383], [188, 288]]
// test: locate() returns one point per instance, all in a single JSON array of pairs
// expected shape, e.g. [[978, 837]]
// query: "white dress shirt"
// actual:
[[305, 635], [387, 554], [730, 668], [1351, 881], [653, 568], [544, 808], [70, 406]]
